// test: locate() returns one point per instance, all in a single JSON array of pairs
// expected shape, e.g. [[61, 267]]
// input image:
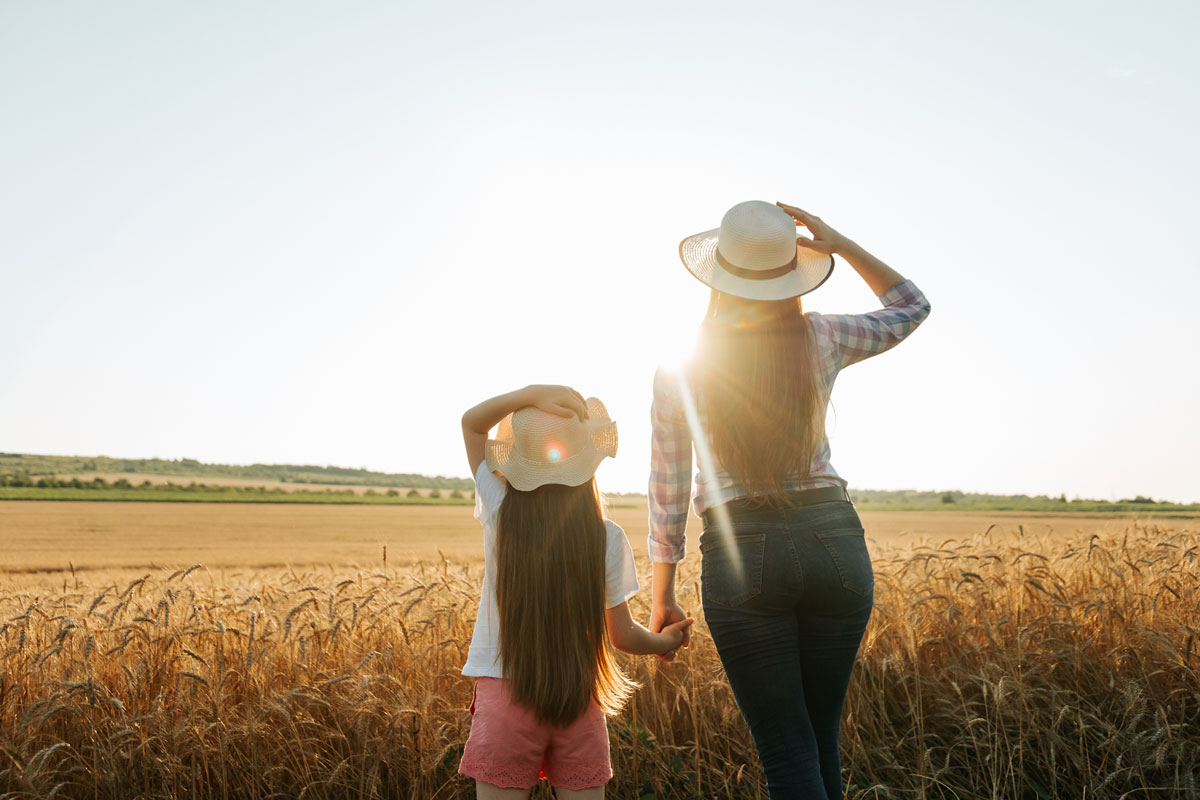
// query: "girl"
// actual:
[[785, 575], [556, 579]]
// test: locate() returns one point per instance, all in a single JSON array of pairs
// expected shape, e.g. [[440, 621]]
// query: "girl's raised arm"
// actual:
[[478, 420]]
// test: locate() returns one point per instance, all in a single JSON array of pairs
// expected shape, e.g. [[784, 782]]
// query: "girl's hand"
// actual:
[[562, 401], [676, 633], [630, 637], [824, 238], [662, 615], [477, 421]]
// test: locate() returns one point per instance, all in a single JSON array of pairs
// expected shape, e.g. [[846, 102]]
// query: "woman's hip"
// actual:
[[775, 560]]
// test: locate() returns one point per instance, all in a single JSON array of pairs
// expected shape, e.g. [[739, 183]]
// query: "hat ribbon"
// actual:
[[756, 274]]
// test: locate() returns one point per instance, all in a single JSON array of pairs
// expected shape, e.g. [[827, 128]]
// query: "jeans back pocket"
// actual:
[[847, 547], [731, 571]]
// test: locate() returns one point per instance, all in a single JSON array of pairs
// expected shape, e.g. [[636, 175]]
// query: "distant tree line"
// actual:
[[913, 497], [29, 464], [52, 482], [22, 480]]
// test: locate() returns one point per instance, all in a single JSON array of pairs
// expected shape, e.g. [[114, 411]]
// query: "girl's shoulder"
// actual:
[[620, 571], [489, 492], [618, 542]]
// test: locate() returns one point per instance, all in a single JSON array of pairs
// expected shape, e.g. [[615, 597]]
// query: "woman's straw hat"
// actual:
[[533, 447], [754, 255]]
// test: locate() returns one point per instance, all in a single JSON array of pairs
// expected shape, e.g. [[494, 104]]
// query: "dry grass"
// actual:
[[1001, 666]]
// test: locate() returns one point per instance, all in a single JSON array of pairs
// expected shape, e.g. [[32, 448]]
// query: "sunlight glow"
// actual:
[[707, 465], [677, 351]]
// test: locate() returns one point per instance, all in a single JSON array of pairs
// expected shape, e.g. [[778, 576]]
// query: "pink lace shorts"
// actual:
[[508, 747]]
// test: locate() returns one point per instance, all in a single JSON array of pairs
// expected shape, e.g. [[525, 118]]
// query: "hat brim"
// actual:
[[699, 255]]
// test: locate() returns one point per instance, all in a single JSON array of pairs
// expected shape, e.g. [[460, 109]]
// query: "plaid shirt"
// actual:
[[841, 340]]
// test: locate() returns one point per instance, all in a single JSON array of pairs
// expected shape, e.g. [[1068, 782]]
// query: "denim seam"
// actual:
[[841, 568], [796, 563]]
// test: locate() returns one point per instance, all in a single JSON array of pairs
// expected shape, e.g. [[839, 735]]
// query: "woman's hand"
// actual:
[[665, 616], [824, 238], [630, 637], [677, 633], [878, 275], [562, 401]]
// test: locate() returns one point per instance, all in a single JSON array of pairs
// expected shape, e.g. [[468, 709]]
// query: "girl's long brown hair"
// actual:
[[755, 376], [550, 558]]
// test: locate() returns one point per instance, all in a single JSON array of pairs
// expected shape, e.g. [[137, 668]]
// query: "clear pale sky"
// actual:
[[316, 233]]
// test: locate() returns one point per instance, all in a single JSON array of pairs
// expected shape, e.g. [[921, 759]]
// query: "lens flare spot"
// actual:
[[555, 455]]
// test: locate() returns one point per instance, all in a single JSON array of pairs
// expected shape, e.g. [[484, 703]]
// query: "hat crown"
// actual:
[[546, 438], [533, 448], [757, 235]]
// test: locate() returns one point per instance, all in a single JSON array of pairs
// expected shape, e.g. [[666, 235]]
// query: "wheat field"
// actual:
[[1007, 664]]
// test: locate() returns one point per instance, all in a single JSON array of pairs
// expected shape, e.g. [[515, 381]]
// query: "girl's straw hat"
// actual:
[[754, 255], [533, 447]]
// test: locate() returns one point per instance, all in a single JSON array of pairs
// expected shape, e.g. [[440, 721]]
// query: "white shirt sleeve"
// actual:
[[620, 573], [489, 492]]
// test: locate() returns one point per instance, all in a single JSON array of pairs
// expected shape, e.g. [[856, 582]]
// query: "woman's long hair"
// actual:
[[550, 558], [755, 376]]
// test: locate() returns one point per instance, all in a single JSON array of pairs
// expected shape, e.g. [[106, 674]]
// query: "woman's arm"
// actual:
[[631, 637], [669, 495], [878, 275], [477, 421], [859, 336], [665, 609]]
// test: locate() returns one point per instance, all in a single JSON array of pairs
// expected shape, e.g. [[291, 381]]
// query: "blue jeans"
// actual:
[[787, 599]]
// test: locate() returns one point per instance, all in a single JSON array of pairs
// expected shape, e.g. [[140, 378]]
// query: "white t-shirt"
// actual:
[[620, 576]]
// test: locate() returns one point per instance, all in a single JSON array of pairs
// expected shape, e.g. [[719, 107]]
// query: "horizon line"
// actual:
[[198, 462]]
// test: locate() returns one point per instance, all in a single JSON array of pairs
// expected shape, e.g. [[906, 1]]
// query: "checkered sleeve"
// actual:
[[860, 336], [670, 470]]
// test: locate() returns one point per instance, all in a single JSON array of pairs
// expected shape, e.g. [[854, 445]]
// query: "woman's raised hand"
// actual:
[[824, 238], [878, 275], [562, 401]]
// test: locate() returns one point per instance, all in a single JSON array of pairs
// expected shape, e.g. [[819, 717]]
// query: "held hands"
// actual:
[[824, 238], [562, 401], [677, 634], [669, 618]]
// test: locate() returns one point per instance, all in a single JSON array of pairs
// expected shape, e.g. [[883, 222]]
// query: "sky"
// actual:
[[318, 232]]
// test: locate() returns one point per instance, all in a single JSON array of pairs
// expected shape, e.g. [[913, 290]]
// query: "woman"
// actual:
[[785, 575]]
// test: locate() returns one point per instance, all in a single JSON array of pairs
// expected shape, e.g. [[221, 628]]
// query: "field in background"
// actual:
[[1036, 662], [52, 536], [40, 477]]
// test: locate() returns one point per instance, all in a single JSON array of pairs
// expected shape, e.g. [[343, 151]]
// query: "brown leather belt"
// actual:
[[807, 497]]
